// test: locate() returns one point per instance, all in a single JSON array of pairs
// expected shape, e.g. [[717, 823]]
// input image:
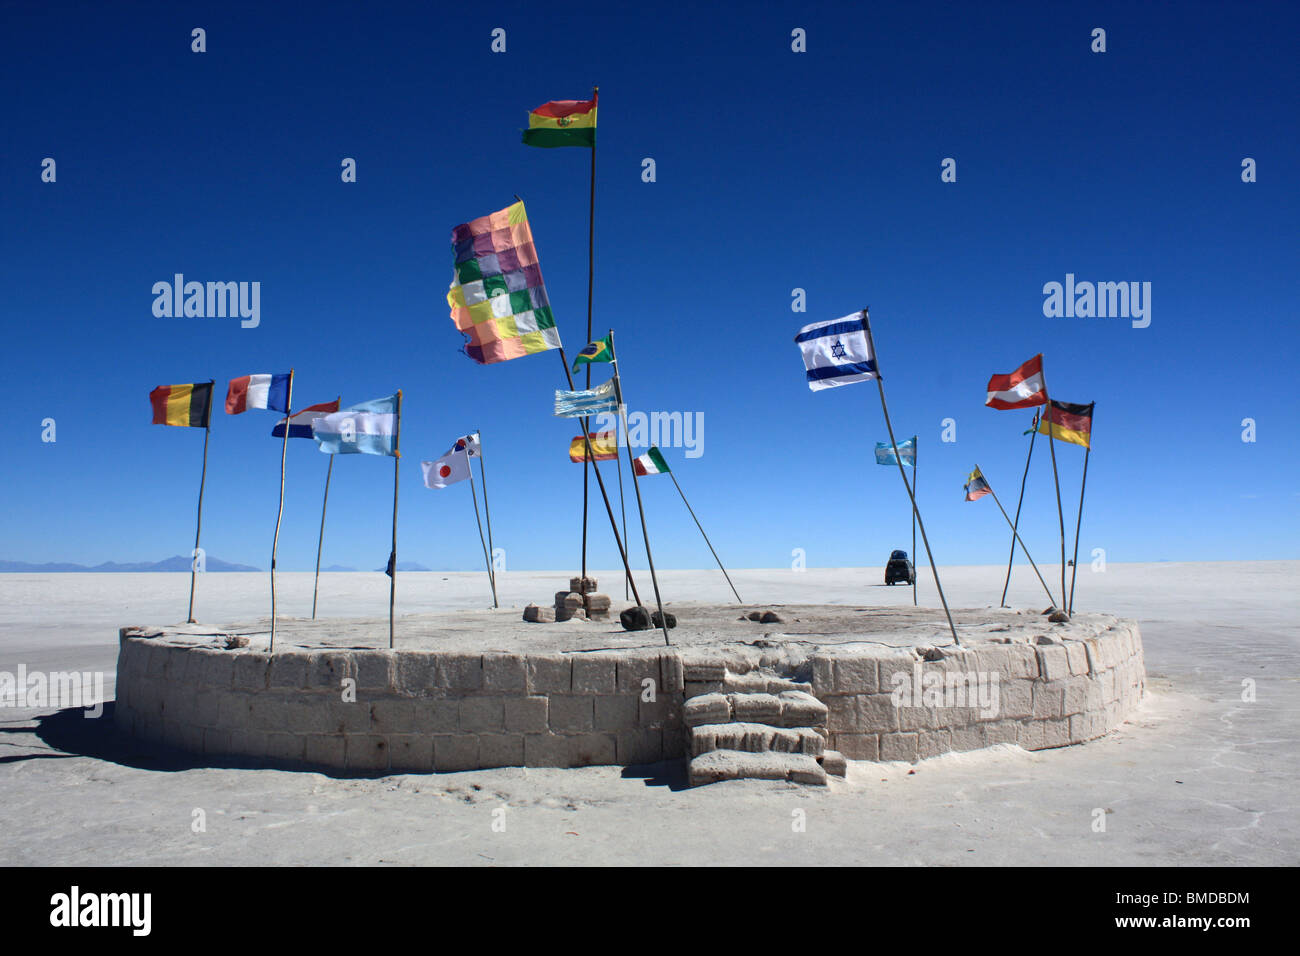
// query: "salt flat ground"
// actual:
[[1202, 776]]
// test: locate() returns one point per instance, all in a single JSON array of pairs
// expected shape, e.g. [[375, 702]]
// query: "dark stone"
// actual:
[[635, 619], [1059, 617], [671, 617], [933, 654], [756, 615], [771, 617]]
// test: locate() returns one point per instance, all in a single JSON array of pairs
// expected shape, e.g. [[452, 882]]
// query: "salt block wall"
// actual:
[[1047, 696], [413, 710], [424, 710]]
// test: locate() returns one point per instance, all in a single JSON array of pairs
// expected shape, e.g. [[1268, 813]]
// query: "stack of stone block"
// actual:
[[581, 601], [753, 726]]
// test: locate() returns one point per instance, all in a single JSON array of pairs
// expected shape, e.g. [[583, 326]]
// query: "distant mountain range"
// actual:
[[175, 563], [407, 566]]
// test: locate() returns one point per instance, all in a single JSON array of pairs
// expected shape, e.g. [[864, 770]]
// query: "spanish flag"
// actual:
[[189, 405], [1065, 421], [604, 444], [563, 123]]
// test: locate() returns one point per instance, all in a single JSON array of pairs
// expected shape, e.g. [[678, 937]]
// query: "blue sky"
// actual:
[[775, 170]]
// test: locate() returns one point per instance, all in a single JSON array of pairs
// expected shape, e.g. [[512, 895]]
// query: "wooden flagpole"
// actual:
[[621, 506], [474, 497], [880, 384], [392, 557], [701, 527], [203, 477], [1015, 533], [487, 513], [591, 455], [1074, 567], [275, 541], [1060, 512], [591, 273], [915, 457], [1033, 434], [654, 579], [320, 542]]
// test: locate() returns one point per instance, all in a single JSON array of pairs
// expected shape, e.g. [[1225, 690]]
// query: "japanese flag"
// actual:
[[447, 470]]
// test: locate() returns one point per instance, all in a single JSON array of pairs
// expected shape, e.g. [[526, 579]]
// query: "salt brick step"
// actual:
[[718, 765], [754, 683], [833, 762], [756, 738]]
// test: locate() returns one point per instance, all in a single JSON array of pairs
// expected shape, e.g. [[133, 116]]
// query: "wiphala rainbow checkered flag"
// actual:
[[497, 297]]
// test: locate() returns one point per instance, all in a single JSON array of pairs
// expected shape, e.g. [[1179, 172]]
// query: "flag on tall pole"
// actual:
[[368, 428], [1066, 421], [580, 404], [977, 487], [907, 456], [573, 123], [455, 467], [597, 446], [188, 406], [259, 391], [298, 425], [842, 352], [1083, 428], [1025, 388]]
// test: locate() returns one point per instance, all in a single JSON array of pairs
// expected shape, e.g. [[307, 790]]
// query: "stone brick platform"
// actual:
[[736, 698]]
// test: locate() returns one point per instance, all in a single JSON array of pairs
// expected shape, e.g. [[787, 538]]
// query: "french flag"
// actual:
[[258, 391], [1023, 388], [300, 423]]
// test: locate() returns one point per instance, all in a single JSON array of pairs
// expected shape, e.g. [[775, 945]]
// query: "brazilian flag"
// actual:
[[602, 350]]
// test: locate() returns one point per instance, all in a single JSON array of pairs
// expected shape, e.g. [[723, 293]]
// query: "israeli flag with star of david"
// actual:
[[836, 352]]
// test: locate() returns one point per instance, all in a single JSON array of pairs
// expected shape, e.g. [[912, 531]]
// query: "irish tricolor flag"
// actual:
[[651, 463], [563, 123]]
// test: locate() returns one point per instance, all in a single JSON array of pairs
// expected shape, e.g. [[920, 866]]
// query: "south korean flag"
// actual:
[[836, 352]]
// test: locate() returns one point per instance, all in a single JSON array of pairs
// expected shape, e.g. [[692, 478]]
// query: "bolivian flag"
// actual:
[[604, 444], [563, 123], [1065, 421], [189, 405]]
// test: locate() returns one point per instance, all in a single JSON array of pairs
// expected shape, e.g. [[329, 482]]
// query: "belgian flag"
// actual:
[[189, 405], [1066, 421]]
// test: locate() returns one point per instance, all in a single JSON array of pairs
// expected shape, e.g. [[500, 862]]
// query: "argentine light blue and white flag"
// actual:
[[367, 428], [906, 451], [592, 401], [836, 352]]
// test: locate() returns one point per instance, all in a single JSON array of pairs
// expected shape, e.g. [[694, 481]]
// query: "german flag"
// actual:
[[563, 123], [189, 405], [1066, 421]]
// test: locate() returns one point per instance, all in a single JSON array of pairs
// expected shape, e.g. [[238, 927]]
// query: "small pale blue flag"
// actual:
[[906, 451]]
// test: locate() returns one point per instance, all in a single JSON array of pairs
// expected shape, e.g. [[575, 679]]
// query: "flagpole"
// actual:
[[1074, 568], [1033, 434], [275, 541], [591, 454], [392, 559], [320, 543], [1060, 512], [1016, 533], [915, 458], [621, 506], [203, 477], [654, 579], [701, 527], [474, 497], [591, 273], [487, 513], [880, 385]]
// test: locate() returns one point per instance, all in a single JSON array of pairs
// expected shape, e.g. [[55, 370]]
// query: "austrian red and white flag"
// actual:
[[447, 470], [1023, 388]]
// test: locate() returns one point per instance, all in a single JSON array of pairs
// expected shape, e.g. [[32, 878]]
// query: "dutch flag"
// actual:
[[300, 423]]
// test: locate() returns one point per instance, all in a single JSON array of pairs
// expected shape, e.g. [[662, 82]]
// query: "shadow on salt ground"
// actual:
[[69, 733]]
